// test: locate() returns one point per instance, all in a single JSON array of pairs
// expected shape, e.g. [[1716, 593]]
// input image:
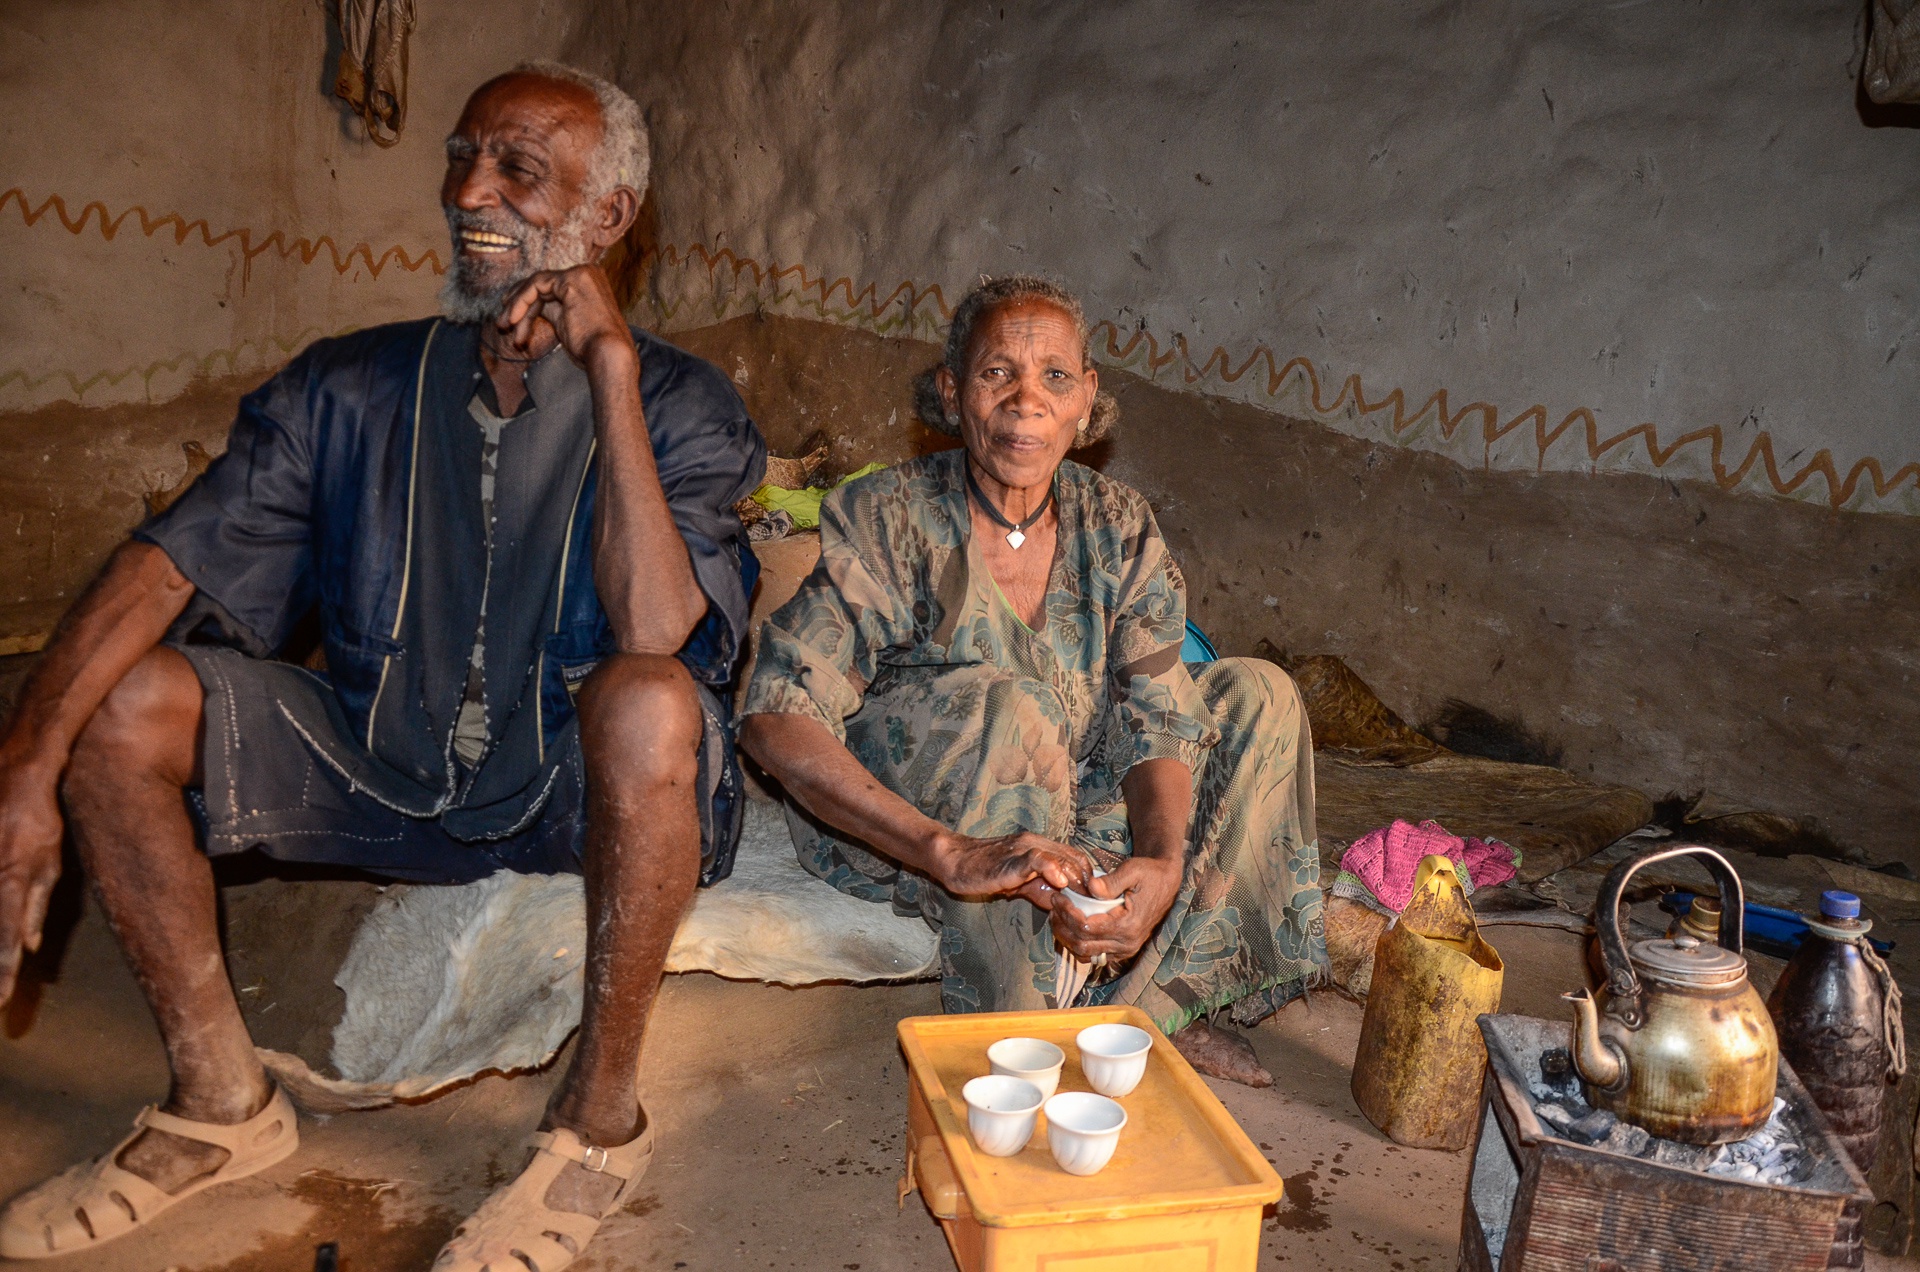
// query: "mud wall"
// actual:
[[1536, 237], [1583, 336], [1668, 635], [182, 206]]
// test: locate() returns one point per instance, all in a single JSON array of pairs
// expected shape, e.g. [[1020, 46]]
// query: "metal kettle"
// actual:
[[1677, 1041]]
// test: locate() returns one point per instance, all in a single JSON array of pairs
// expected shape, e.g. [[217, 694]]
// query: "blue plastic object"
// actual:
[[1770, 929], [1196, 648], [1839, 905]]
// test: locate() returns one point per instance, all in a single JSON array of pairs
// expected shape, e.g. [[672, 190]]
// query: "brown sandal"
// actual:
[[94, 1202], [516, 1231]]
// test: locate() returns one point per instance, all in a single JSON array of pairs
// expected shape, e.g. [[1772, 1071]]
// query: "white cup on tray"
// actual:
[[1030, 1060], [1083, 1130], [1001, 1112], [1114, 1057]]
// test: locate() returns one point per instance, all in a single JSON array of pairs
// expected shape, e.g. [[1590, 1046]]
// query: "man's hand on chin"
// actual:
[[579, 305]]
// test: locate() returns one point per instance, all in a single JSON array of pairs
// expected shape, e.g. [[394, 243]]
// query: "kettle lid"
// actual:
[[1682, 960]]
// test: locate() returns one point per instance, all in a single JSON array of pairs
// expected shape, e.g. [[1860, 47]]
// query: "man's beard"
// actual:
[[479, 285]]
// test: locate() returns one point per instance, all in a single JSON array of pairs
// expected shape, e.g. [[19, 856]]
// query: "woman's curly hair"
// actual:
[[989, 295]]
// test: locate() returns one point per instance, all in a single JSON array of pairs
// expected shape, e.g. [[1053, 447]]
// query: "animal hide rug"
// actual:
[[447, 983]]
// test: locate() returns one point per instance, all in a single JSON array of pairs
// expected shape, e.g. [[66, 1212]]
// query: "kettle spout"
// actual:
[[1597, 1062]]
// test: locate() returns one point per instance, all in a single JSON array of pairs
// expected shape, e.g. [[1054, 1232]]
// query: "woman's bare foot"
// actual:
[[1221, 1053]]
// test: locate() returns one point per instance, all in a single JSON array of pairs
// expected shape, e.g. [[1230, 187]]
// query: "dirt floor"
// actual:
[[798, 1094], [781, 1112]]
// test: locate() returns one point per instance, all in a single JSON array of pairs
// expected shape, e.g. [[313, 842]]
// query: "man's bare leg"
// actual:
[[640, 732], [125, 802], [640, 729]]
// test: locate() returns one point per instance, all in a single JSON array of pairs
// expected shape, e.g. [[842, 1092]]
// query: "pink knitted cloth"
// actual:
[[1386, 860]]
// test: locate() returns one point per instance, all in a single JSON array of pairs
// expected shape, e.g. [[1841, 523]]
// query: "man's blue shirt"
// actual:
[[350, 489]]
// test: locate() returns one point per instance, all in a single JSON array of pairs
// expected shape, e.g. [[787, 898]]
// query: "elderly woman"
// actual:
[[977, 697]]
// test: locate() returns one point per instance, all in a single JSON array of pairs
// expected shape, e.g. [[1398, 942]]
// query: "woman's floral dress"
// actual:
[[902, 645]]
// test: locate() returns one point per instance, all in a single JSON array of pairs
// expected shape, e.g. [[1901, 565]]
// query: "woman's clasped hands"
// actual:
[[1039, 870]]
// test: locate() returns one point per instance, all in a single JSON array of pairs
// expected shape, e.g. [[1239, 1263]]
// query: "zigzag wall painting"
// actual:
[[736, 284], [248, 355], [251, 248], [695, 284], [162, 377]]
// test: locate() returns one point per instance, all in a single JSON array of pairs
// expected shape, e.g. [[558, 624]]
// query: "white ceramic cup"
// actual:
[[1083, 1130], [1030, 1060], [1000, 1113], [1092, 905], [1114, 1057]]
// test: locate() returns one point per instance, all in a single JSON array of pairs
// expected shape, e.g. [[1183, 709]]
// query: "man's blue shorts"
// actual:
[[269, 785]]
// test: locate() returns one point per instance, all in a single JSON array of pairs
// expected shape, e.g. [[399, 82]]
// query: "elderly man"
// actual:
[[515, 526]]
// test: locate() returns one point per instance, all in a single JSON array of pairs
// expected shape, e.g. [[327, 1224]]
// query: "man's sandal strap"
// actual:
[[241, 1139], [516, 1220], [623, 1163], [97, 1201]]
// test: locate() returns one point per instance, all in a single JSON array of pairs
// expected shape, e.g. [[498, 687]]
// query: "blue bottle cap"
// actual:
[[1839, 905]]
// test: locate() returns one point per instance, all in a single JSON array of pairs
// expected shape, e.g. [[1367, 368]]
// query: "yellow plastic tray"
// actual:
[[1181, 1150]]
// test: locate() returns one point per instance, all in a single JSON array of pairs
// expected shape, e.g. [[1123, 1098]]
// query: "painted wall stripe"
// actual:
[[921, 309], [251, 244]]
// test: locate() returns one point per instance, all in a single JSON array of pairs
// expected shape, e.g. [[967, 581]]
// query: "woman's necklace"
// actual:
[[1016, 534]]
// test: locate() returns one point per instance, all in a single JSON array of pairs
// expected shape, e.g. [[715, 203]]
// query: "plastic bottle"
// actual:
[[1837, 1011]]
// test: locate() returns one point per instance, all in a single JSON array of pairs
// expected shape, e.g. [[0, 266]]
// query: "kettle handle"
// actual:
[[1623, 987]]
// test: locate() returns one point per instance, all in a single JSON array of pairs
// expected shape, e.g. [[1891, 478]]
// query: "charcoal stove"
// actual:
[[1541, 1202]]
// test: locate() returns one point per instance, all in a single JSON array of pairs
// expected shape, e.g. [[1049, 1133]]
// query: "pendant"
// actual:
[[1015, 538]]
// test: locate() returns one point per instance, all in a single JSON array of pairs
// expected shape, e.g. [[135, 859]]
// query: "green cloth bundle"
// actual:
[[804, 505]]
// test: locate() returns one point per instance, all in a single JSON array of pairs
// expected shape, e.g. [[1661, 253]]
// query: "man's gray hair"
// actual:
[[991, 294], [624, 156]]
